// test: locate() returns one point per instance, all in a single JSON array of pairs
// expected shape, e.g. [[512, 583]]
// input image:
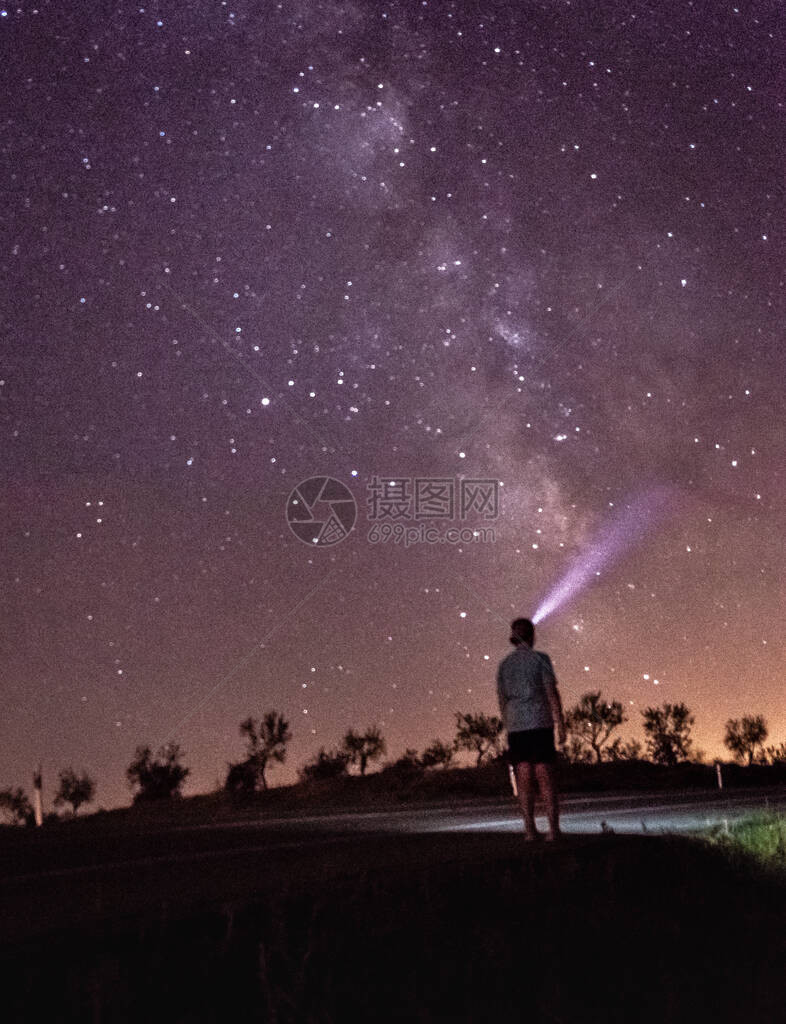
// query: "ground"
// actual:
[[427, 928]]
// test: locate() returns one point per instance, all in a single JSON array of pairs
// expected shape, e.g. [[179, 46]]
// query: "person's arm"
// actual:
[[555, 703], [501, 699], [556, 711]]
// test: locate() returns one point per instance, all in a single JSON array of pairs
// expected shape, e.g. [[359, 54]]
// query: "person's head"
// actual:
[[522, 631]]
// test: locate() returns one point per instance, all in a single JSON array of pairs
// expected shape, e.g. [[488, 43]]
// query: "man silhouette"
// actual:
[[530, 706]]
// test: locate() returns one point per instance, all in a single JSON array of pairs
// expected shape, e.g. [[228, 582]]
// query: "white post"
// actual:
[[38, 809], [719, 775]]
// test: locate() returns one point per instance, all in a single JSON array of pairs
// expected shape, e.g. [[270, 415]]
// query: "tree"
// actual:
[[157, 778], [667, 730], [266, 741], [364, 747], [480, 734], [74, 789], [436, 754], [15, 808], [405, 767], [776, 755], [743, 737], [409, 759], [328, 764], [593, 720], [241, 777], [619, 751], [577, 752]]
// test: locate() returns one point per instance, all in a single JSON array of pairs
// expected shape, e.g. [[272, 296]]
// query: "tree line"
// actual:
[[590, 724]]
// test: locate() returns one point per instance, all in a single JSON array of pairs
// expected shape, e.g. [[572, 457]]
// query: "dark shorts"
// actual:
[[536, 746]]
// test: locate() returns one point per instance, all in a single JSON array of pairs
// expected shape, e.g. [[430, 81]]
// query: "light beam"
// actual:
[[630, 525]]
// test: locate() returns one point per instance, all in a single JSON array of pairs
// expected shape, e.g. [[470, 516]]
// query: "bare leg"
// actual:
[[525, 781], [548, 790]]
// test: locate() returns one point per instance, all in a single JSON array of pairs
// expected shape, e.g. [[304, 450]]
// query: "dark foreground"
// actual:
[[411, 928]]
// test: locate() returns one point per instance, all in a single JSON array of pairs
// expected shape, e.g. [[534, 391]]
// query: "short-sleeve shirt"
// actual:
[[523, 678]]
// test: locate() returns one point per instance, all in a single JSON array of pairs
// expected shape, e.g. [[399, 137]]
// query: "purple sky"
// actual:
[[249, 244]]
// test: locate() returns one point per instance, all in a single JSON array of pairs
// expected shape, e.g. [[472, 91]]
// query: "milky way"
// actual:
[[249, 244]]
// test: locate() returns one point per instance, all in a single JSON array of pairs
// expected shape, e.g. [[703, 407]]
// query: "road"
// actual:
[[658, 813], [649, 812], [72, 850]]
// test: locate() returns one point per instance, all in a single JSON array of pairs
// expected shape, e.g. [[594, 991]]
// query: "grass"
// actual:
[[760, 838]]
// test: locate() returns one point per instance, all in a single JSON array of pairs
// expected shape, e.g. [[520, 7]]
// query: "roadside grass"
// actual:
[[759, 837]]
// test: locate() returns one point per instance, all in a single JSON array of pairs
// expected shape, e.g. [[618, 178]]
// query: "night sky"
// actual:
[[247, 244]]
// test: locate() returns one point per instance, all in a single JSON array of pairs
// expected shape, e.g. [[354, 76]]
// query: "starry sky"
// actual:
[[248, 244]]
